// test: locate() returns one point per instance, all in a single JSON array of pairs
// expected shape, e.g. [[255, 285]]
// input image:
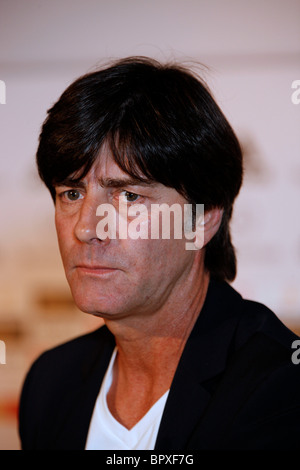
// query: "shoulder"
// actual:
[[267, 382], [55, 378], [67, 360], [72, 353], [257, 318], [248, 317], [256, 400], [262, 345], [271, 387]]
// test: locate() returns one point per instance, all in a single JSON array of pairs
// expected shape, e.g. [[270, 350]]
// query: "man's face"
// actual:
[[116, 277]]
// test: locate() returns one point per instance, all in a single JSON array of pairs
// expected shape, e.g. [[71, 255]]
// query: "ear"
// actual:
[[211, 224]]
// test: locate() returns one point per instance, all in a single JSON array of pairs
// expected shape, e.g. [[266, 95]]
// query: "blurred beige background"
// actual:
[[252, 50]]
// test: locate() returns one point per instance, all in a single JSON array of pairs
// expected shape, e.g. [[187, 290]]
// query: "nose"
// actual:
[[85, 227]]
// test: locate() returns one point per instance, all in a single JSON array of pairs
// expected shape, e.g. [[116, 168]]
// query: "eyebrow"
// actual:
[[121, 182], [106, 182]]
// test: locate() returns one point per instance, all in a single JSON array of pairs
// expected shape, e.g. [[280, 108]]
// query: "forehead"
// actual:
[[105, 165], [108, 173]]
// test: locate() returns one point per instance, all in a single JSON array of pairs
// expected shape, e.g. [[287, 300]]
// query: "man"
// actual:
[[183, 362]]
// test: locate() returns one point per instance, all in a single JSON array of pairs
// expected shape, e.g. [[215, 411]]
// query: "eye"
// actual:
[[72, 194], [130, 197]]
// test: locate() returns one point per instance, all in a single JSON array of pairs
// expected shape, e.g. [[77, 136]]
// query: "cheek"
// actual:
[[64, 237], [60, 232], [157, 259]]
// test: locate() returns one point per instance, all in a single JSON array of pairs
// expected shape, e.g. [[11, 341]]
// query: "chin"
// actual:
[[98, 309]]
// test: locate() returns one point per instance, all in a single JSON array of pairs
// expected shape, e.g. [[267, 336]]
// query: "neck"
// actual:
[[149, 344], [149, 349]]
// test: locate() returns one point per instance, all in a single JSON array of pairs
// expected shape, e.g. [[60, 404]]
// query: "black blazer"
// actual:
[[235, 387]]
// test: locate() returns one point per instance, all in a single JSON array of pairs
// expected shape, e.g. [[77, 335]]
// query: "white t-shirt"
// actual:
[[106, 433]]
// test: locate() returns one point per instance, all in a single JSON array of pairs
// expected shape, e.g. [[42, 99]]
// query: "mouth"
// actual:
[[95, 270]]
